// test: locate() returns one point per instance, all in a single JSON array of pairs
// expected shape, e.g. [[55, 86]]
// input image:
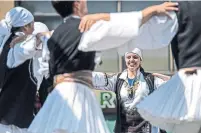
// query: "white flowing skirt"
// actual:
[[71, 107], [176, 105], [15, 129]]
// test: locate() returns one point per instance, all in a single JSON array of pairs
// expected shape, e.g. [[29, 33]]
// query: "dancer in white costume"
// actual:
[[26, 44], [72, 105], [175, 105], [25, 48], [32, 49]]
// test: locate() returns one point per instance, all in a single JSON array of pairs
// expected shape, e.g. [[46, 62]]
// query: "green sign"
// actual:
[[107, 101]]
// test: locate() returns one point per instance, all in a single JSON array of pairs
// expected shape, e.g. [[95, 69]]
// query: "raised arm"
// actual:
[[26, 47], [132, 32], [147, 13], [102, 81], [22, 51]]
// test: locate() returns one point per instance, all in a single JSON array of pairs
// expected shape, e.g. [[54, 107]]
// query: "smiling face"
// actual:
[[133, 61]]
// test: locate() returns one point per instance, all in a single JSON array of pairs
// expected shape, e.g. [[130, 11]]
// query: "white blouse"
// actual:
[[22, 52], [28, 50], [124, 32]]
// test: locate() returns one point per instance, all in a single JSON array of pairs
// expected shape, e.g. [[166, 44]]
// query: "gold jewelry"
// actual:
[[132, 89]]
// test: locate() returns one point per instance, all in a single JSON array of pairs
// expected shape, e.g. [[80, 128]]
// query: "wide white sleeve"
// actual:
[[157, 32], [104, 35], [124, 32], [22, 52], [101, 81]]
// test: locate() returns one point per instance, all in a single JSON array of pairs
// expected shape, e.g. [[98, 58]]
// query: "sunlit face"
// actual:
[[29, 28], [133, 61]]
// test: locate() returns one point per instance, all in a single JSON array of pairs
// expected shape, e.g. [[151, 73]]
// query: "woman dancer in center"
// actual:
[[131, 86]]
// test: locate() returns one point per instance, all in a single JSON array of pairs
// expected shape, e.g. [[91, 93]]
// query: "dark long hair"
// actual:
[[14, 30]]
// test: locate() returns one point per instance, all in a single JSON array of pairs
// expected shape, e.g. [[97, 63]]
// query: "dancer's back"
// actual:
[[64, 55], [187, 43], [71, 106]]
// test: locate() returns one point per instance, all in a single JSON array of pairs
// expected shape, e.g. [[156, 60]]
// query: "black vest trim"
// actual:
[[33, 79]]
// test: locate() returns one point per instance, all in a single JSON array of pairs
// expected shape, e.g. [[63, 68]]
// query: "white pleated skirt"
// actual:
[[70, 107], [176, 105], [15, 129]]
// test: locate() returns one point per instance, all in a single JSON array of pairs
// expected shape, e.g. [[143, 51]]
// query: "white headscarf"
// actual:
[[136, 51], [16, 17]]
